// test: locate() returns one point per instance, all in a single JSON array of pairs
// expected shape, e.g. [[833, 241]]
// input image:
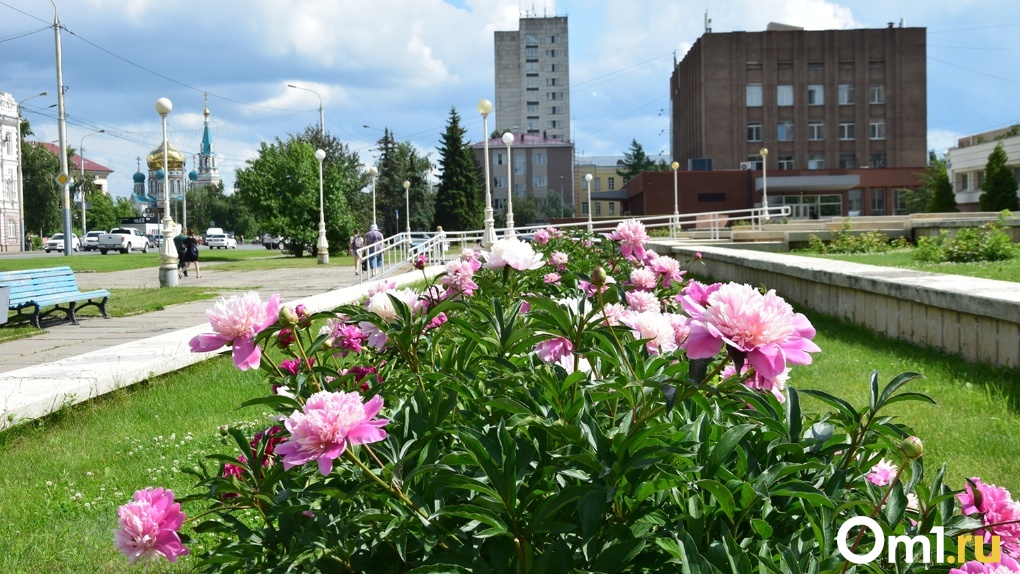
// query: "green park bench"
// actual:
[[31, 290]]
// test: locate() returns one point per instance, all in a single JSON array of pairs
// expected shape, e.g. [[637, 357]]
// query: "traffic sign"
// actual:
[[62, 179]]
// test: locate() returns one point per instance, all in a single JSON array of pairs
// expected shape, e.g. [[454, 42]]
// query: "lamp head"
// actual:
[[484, 107], [675, 165], [508, 138], [320, 155], [589, 177], [372, 171], [164, 106], [407, 184], [764, 151]]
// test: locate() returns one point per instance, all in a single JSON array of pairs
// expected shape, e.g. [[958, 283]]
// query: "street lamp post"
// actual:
[[322, 116], [81, 155], [588, 177], [489, 233], [764, 184], [167, 251], [372, 171], [21, 181], [321, 245], [508, 138], [676, 200], [63, 177], [407, 207]]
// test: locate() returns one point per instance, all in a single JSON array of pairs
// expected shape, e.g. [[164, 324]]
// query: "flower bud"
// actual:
[[304, 317], [912, 447], [284, 338], [287, 316], [224, 430], [598, 276]]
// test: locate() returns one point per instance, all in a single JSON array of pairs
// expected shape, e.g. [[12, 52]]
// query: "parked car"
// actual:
[[270, 242], [56, 243], [91, 240], [220, 241]]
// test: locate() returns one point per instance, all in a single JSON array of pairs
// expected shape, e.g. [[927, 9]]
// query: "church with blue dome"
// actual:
[[148, 192]]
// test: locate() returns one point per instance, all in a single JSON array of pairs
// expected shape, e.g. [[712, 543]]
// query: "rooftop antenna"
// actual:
[[708, 23]]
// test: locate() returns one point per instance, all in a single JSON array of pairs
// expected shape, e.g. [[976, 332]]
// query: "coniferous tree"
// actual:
[[635, 161], [459, 201], [1000, 185]]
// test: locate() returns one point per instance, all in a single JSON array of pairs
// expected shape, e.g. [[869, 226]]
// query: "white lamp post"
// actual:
[[676, 201], [588, 178], [63, 177], [81, 155], [167, 251], [764, 184], [508, 138], [322, 246], [372, 171], [21, 181], [489, 233], [322, 117], [407, 201]]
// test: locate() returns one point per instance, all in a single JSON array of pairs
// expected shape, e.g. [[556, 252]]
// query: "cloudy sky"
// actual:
[[403, 64]]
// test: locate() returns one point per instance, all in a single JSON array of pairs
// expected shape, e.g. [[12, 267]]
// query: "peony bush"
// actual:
[[577, 403]]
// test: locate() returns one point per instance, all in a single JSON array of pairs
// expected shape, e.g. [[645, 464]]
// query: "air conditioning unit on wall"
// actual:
[[747, 165]]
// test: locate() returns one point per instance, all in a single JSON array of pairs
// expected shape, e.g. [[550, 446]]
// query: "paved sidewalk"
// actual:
[[72, 363]]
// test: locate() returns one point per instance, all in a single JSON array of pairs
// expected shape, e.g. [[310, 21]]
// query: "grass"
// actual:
[[903, 258], [134, 260]]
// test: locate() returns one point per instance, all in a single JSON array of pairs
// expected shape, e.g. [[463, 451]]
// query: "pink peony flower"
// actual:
[[380, 287], [347, 337], [632, 237], [458, 279], [613, 314], [996, 506], [233, 469], [436, 321], [512, 253], [236, 320], [590, 290], [325, 426], [148, 527], [654, 327], [681, 327], [382, 305], [698, 292], [669, 269], [552, 350], [542, 237], [376, 337], [643, 278], [558, 259], [1005, 565], [552, 278], [292, 366], [882, 473], [764, 327], [641, 301], [421, 261], [284, 338], [756, 381]]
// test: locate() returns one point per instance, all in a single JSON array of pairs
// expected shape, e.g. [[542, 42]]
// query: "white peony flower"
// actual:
[[512, 253]]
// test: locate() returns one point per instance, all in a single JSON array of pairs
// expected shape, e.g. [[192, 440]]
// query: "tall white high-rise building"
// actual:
[[533, 79]]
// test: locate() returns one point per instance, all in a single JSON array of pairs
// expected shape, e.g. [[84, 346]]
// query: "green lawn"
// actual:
[[247, 258], [903, 258]]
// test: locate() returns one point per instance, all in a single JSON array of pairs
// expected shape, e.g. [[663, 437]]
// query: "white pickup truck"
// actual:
[[123, 239]]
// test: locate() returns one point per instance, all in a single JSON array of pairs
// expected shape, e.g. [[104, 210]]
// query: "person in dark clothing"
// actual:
[[191, 253], [179, 245]]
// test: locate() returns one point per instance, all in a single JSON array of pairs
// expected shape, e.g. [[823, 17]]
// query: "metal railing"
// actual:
[[400, 250]]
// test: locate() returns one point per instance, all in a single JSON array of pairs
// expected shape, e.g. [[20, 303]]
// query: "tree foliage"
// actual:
[[1000, 185], [400, 162], [635, 161], [41, 192], [281, 187], [459, 199], [941, 198]]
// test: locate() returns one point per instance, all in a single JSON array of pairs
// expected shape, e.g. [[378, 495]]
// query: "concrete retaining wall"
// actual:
[[978, 319]]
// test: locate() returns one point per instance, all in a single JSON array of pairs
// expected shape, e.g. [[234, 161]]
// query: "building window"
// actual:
[[784, 131], [815, 95], [530, 40], [539, 181], [855, 201], [876, 94], [598, 208], [499, 181], [846, 131], [785, 162], [878, 160], [554, 124], [552, 53], [520, 164], [754, 162], [531, 52], [753, 95], [784, 95], [847, 161], [876, 128], [554, 39], [964, 182], [878, 202], [816, 162], [816, 66], [498, 159], [532, 108], [846, 94], [538, 158], [612, 208], [816, 131], [611, 183], [900, 201], [584, 207], [555, 110], [980, 180], [754, 132]]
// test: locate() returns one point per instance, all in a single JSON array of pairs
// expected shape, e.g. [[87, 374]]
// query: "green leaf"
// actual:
[[794, 420], [722, 449], [911, 397], [803, 491], [874, 391], [841, 405], [762, 527], [895, 384], [477, 513], [590, 510], [614, 557], [721, 494]]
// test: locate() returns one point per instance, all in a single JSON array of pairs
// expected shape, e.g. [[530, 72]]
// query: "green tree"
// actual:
[[281, 187], [400, 162], [459, 199], [340, 159], [41, 192], [635, 161], [102, 216], [941, 198], [1000, 185]]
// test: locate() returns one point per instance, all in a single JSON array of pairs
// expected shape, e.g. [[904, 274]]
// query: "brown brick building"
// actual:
[[814, 99]]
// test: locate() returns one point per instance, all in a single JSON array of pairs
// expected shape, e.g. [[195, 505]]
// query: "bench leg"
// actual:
[[35, 318], [102, 308], [70, 313]]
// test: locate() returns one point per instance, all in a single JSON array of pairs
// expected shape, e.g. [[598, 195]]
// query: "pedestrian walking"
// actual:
[[191, 253], [374, 240], [179, 245], [357, 242]]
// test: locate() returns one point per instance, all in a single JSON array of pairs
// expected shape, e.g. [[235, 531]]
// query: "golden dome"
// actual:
[[174, 158]]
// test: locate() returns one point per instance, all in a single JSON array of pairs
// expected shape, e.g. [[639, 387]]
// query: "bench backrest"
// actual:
[[30, 284]]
